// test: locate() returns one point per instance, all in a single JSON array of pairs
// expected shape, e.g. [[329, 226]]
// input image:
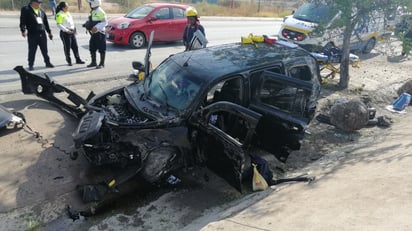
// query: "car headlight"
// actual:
[[123, 25]]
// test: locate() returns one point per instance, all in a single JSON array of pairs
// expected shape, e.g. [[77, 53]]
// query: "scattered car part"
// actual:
[[293, 179], [10, 120]]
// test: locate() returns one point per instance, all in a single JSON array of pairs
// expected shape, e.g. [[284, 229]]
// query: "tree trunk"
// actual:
[[344, 63]]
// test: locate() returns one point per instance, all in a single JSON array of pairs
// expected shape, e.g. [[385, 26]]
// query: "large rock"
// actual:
[[406, 87], [349, 115]]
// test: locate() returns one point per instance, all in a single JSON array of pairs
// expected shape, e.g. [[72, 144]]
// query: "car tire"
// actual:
[[137, 40], [369, 46]]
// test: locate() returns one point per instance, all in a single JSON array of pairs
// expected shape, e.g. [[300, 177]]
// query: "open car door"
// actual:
[[287, 105], [225, 133]]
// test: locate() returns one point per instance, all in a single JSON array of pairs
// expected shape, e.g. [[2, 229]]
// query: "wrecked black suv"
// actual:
[[209, 106]]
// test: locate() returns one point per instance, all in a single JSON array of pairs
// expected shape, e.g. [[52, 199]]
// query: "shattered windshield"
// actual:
[[173, 86], [315, 13], [139, 12]]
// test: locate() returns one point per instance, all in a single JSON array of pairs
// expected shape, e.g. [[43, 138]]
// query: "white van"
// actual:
[[298, 28]]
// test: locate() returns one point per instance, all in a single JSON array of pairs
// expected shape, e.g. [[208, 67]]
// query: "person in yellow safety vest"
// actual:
[[96, 26], [65, 23]]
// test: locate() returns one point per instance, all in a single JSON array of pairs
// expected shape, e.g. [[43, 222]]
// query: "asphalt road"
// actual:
[[14, 49]]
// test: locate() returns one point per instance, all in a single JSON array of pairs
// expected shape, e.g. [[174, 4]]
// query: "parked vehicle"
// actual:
[[168, 20], [211, 106], [300, 27]]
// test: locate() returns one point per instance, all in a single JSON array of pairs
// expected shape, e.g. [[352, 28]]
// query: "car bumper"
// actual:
[[117, 37]]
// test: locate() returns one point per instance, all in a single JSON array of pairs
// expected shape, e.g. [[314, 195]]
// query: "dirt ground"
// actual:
[[361, 177]]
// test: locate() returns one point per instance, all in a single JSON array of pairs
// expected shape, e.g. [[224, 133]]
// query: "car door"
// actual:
[[178, 24], [225, 130], [287, 104], [160, 20]]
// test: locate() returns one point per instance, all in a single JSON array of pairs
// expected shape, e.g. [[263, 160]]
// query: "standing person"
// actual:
[[65, 23], [53, 6], [193, 24], [407, 41], [34, 20], [96, 26]]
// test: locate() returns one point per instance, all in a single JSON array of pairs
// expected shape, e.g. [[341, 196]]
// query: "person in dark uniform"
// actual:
[[34, 24], [65, 23], [96, 25]]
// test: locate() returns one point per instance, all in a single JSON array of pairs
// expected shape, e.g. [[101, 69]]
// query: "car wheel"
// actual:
[[137, 40], [369, 46]]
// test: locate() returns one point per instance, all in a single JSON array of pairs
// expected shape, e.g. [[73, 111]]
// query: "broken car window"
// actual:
[[228, 90], [231, 124], [301, 72], [173, 86], [282, 96]]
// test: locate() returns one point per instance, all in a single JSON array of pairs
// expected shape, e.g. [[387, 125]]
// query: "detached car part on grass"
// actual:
[[210, 107]]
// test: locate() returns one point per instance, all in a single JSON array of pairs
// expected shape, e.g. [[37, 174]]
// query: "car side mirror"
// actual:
[[152, 18], [138, 65]]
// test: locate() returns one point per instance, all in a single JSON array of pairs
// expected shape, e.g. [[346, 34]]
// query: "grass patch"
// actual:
[[268, 8]]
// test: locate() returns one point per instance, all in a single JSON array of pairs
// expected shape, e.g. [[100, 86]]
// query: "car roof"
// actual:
[[220, 60], [157, 4]]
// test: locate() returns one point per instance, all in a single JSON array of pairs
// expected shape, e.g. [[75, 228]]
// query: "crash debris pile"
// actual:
[[353, 114]]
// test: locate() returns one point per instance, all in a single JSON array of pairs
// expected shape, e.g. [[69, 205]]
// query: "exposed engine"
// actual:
[[118, 110]]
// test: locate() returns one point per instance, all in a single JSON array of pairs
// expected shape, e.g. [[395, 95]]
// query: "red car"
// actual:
[[167, 20]]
